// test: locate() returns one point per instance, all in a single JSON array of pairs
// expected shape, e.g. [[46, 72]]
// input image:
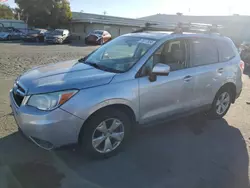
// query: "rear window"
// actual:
[[203, 52], [226, 50]]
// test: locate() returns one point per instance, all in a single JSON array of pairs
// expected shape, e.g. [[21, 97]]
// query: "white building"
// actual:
[[83, 23]]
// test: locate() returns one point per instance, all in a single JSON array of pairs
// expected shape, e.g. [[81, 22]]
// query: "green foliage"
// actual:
[[45, 13], [6, 12]]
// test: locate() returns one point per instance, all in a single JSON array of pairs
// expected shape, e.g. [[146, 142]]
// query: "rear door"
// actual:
[[208, 71]]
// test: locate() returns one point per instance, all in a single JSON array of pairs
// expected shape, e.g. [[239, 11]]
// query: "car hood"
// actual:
[[62, 76]]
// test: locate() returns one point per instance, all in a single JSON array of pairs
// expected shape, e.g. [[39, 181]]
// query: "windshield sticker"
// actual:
[[147, 41]]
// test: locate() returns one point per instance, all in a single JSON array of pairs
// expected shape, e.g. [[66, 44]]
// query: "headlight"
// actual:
[[50, 101]]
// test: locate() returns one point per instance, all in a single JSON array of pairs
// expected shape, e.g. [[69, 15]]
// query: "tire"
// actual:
[[214, 111], [90, 132], [8, 38]]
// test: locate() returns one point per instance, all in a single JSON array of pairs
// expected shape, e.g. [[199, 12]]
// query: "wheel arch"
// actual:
[[122, 107], [232, 87]]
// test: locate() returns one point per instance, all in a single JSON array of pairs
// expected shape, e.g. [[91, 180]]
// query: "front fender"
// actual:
[[88, 101], [113, 102]]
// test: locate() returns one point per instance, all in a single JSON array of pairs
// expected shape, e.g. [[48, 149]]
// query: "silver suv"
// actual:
[[137, 78]]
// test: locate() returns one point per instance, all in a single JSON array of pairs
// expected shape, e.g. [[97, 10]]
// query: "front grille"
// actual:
[[18, 94]]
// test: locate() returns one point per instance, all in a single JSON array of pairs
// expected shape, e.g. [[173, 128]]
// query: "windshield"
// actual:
[[57, 32], [98, 32], [120, 54], [6, 29]]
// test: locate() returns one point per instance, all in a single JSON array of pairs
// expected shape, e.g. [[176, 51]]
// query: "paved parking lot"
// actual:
[[191, 152]]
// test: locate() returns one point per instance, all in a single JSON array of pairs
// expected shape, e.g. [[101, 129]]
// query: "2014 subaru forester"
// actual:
[[137, 78]]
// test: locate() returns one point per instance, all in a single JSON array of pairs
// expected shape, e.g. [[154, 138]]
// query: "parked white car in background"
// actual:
[[58, 36]]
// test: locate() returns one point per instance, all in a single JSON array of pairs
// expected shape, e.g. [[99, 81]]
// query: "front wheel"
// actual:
[[221, 104], [105, 133]]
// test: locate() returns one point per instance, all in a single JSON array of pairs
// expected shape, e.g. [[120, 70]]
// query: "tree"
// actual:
[[61, 14], [6, 12], [45, 13], [18, 14]]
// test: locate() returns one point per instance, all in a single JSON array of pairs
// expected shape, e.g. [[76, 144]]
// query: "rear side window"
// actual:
[[226, 50], [203, 52]]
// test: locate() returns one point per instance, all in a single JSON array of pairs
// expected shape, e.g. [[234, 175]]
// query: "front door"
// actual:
[[167, 95]]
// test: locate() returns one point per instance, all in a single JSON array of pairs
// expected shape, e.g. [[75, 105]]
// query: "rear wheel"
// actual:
[[221, 104], [105, 133]]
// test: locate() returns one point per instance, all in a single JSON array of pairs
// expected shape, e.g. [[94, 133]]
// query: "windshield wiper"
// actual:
[[82, 60], [94, 65], [102, 67]]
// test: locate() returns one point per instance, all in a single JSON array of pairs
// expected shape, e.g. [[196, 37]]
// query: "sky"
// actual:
[[141, 8]]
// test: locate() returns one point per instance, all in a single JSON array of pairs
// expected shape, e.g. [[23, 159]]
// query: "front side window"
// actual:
[[57, 32], [172, 53], [120, 54], [203, 52]]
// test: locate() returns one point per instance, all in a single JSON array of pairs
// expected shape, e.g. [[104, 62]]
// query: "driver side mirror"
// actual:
[[159, 69]]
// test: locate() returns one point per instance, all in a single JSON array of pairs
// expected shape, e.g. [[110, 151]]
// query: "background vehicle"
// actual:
[[58, 36], [245, 53], [10, 33], [136, 78], [48, 32], [35, 35], [98, 37]]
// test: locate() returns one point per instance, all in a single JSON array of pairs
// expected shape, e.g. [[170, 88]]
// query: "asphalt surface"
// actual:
[[191, 152]]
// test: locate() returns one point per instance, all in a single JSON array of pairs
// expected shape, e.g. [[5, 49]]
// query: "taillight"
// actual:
[[242, 65]]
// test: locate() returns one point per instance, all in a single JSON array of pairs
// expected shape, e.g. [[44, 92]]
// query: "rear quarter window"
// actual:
[[226, 50]]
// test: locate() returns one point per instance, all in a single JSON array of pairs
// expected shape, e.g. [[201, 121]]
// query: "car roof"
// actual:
[[152, 35], [158, 35]]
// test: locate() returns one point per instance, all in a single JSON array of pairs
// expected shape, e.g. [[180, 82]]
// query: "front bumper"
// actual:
[[47, 129], [3, 38]]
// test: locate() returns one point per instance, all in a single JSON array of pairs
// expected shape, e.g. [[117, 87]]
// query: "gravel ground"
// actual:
[[16, 58], [190, 152]]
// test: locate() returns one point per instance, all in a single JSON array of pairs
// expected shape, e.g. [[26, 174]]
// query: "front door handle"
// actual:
[[187, 78], [220, 70]]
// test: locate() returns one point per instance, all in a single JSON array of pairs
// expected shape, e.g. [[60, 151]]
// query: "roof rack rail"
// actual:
[[180, 27]]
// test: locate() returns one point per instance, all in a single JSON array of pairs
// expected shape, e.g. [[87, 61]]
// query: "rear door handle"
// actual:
[[220, 70], [187, 78]]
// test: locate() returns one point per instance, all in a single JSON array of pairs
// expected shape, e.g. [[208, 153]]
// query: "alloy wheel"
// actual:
[[222, 103], [108, 135]]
